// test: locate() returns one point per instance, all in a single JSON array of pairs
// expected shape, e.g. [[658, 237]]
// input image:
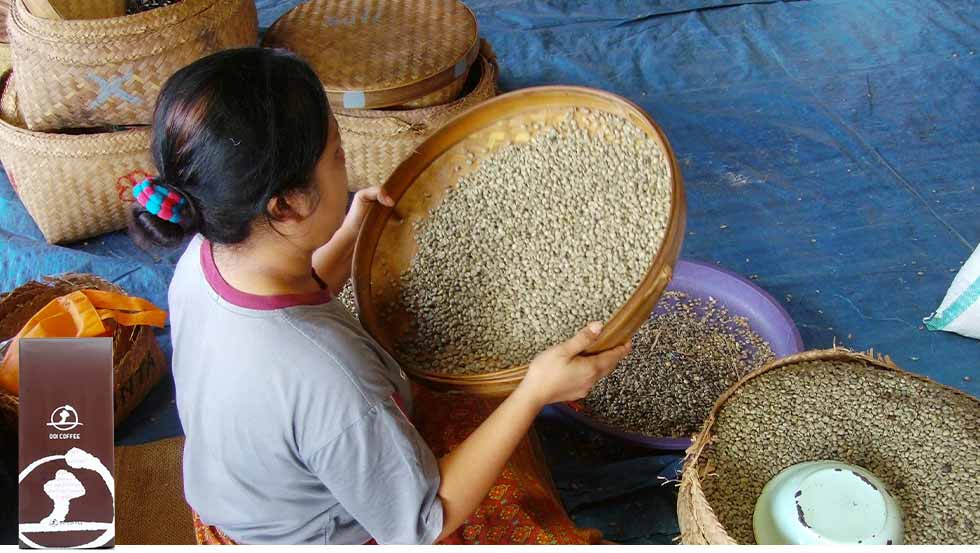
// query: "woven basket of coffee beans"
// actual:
[[138, 362], [514, 225], [922, 439]]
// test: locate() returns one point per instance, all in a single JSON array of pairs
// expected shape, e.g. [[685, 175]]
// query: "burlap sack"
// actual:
[[150, 505]]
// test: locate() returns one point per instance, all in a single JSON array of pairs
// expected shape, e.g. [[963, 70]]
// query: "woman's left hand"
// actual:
[[361, 203], [332, 261]]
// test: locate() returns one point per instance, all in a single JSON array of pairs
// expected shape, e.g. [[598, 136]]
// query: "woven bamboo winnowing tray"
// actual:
[[378, 53], [386, 243], [699, 524], [99, 72], [73, 185]]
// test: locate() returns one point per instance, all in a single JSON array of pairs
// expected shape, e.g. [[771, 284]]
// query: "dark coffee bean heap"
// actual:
[[688, 353], [137, 6]]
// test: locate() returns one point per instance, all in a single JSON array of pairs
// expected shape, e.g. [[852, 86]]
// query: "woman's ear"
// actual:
[[294, 206]]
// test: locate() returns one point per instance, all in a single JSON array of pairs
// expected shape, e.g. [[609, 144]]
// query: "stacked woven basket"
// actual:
[[74, 112], [394, 72]]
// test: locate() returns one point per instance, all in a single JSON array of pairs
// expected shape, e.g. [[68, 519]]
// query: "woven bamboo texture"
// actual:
[[138, 363], [99, 72], [386, 53], [4, 57], [88, 9], [4, 10], [376, 141], [387, 242], [444, 95], [698, 523], [73, 185]]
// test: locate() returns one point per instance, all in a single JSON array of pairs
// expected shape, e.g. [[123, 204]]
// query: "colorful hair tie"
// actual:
[[159, 200]]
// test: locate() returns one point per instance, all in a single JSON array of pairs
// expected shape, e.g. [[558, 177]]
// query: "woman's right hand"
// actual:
[[560, 373], [564, 373]]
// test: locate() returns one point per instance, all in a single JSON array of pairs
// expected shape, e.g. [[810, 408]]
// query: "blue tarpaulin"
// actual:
[[829, 150]]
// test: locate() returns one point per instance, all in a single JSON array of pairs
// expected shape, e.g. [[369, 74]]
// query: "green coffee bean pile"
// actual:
[[539, 239], [923, 441], [688, 353], [346, 297]]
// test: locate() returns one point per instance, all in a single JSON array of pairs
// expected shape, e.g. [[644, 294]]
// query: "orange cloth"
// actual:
[[209, 535], [522, 507], [79, 314]]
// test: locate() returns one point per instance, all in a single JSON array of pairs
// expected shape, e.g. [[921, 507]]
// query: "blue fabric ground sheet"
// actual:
[[829, 149]]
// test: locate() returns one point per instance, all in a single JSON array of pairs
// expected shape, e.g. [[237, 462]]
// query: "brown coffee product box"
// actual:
[[67, 486]]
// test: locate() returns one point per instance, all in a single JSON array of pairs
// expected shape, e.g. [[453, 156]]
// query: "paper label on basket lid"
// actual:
[[391, 52], [354, 99]]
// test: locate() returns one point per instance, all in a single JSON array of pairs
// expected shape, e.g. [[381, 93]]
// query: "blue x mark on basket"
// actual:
[[109, 88]]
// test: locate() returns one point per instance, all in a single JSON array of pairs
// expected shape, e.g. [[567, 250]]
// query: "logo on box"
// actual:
[[67, 418]]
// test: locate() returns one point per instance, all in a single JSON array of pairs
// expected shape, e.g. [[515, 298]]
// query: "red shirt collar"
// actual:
[[253, 301]]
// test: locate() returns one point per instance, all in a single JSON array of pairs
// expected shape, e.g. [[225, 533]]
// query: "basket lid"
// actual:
[[376, 53]]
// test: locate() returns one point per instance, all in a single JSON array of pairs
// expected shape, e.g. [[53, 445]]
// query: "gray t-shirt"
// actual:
[[291, 411]]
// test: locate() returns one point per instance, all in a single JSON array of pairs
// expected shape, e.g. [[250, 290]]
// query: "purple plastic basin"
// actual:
[[766, 316]]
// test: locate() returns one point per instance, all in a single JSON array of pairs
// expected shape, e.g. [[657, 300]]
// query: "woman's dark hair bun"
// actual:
[[231, 132], [148, 230]]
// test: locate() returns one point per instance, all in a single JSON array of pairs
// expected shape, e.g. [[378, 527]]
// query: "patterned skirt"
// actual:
[[522, 507]]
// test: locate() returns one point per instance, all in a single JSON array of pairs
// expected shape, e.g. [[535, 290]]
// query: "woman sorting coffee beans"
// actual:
[[297, 422]]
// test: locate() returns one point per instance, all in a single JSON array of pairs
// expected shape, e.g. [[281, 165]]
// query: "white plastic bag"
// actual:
[[960, 310]]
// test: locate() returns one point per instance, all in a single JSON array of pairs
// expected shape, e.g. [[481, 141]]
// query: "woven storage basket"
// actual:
[[98, 72], [698, 522], [138, 362], [73, 185], [442, 96], [376, 141], [375, 53]]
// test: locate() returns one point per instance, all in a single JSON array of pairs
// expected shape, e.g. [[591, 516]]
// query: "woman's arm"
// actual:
[[561, 373], [332, 261]]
